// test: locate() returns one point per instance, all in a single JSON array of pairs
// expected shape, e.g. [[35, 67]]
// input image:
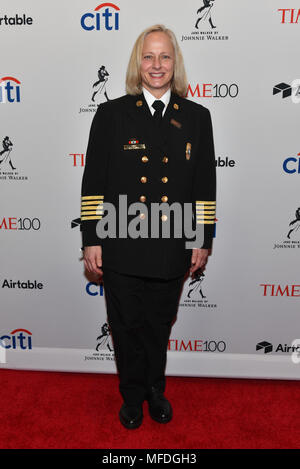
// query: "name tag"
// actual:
[[176, 123], [135, 146]]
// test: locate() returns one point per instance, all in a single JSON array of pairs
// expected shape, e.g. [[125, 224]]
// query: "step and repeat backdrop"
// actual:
[[60, 60]]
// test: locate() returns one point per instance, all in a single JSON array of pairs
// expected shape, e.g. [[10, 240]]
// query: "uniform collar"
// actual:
[[139, 109], [149, 98]]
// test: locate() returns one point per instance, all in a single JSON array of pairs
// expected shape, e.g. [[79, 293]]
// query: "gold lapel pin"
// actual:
[[175, 106], [139, 103], [188, 151]]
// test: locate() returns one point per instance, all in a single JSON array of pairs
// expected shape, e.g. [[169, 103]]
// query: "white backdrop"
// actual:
[[250, 292]]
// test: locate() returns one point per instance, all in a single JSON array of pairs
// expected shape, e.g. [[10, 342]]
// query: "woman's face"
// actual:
[[157, 64]]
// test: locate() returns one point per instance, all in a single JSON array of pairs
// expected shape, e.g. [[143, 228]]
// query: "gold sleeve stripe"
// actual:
[[94, 217], [92, 212], [206, 202], [96, 202], [205, 212], [92, 197], [92, 207], [205, 222]]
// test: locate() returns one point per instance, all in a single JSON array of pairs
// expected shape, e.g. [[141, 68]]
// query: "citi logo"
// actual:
[[106, 17], [94, 289], [291, 165], [9, 90], [18, 338]]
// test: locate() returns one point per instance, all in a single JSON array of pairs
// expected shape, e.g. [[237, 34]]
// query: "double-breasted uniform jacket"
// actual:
[[128, 154]]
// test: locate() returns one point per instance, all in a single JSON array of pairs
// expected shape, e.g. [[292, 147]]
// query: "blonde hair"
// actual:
[[179, 83]]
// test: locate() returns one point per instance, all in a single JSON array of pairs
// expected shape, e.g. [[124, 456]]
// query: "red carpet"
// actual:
[[70, 410]]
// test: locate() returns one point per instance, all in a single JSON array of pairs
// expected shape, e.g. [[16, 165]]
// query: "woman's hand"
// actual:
[[92, 257], [199, 259]]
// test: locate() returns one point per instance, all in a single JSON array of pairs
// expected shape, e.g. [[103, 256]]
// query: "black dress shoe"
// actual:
[[131, 416], [159, 407]]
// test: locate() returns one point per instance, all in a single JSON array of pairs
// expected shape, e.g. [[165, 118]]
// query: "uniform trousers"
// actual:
[[140, 313]]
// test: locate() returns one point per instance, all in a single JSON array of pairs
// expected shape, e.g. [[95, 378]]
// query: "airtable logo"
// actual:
[[9, 90], [267, 347], [105, 19], [286, 90]]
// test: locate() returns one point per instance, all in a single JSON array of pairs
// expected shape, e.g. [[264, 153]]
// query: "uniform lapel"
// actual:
[[139, 113], [170, 131], [173, 125]]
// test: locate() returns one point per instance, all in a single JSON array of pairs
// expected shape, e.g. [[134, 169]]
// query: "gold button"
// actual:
[[145, 159], [139, 103], [164, 179], [164, 198], [142, 216], [143, 179], [165, 159], [164, 217], [143, 198], [175, 106]]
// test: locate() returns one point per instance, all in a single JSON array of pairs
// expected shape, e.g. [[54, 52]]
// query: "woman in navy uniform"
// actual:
[[152, 146]]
